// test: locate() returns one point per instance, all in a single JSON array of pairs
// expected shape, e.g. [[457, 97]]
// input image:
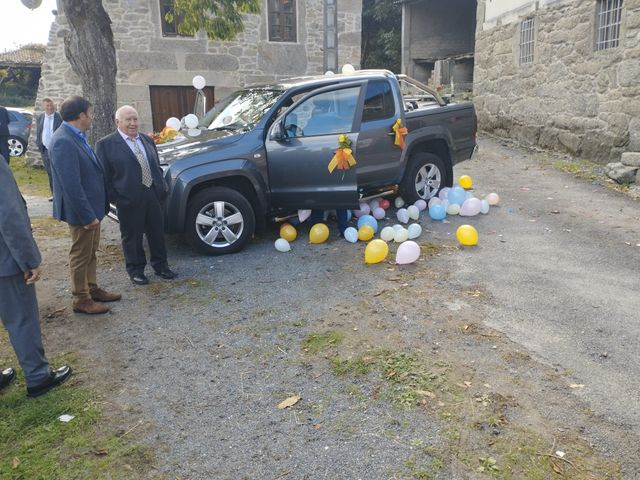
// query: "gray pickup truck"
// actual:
[[264, 151]]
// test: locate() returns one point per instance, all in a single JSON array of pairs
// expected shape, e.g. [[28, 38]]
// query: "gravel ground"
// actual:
[[548, 299]]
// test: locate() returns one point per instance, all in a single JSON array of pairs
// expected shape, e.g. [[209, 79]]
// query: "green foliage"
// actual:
[[221, 19], [381, 29]]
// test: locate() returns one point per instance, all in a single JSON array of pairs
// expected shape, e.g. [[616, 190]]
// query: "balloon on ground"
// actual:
[[401, 235], [493, 199], [303, 215], [384, 203], [421, 204], [282, 245], [465, 182], [403, 215], [351, 235], [415, 230], [467, 235], [457, 195], [470, 207], [376, 251], [408, 252], [414, 212], [378, 213], [399, 202], [365, 232], [387, 234], [436, 212], [318, 233], [288, 232], [453, 209], [368, 220]]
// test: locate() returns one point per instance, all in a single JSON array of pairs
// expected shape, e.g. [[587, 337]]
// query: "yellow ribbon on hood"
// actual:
[[400, 133]]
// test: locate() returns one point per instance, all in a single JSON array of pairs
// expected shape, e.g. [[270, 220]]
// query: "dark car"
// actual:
[[20, 123]]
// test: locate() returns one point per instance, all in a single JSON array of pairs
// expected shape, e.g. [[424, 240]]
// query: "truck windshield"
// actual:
[[241, 110]]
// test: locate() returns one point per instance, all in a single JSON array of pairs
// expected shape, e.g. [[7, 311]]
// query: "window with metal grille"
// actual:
[[282, 20], [526, 41], [608, 24]]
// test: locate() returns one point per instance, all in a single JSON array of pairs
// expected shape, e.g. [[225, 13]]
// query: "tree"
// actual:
[[381, 30], [90, 50]]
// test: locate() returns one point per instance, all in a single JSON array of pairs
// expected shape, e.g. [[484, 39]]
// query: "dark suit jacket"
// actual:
[[124, 176], [79, 187], [4, 122], [18, 251], [57, 121]]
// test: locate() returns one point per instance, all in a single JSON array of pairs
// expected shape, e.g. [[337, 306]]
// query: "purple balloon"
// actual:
[[444, 193], [471, 207], [408, 252], [421, 204], [378, 213], [364, 210]]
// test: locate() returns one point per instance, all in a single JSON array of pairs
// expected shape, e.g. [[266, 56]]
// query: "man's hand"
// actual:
[[32, 276], [93, 225]]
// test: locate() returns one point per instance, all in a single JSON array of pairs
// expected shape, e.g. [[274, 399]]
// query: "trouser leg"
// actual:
[[82, 260], [46, 161], [132, 221], [20, 316], [154, 229], [341, 216]]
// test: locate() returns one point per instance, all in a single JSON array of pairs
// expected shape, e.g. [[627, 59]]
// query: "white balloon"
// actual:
[[282, 245], [373, 204], [399, 202], [191, 121], [199, 82], [471, 207], [414, 230], [303, 215], [453, 209], [378, 213], [434, 201], [174, 123], [388, 233], [328, 73], [351, 235], [348, 69], [407, 253], [445, 204], [401, 235], [484, 209], [414, 212], [403, 215], [194, 132], [397, 227]]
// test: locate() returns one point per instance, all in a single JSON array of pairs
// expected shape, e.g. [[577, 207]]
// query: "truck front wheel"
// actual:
[[220, 220], [424, 177]]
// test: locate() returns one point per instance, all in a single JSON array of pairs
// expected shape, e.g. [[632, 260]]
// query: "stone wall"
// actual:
[[147, 58], [571, 98]]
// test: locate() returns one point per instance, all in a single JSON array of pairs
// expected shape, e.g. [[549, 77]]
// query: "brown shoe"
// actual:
[[87, 305], [100, 295]]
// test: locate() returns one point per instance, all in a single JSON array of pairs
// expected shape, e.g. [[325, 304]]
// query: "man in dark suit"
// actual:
[[137, 187], [47, 123], [80, 199], [19, 270], [4, 133]]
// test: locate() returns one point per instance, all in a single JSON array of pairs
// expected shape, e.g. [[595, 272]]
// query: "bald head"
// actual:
[[127, 120]]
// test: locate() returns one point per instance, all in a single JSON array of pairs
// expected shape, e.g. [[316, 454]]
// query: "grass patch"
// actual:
[[36, 445], [317, 342], [49, 227], [31, 180], [580, 168]]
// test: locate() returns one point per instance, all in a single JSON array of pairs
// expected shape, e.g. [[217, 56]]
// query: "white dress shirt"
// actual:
[[47, 129]]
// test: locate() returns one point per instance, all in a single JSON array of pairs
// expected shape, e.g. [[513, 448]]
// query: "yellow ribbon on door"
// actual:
[[343, 158], [400, 132]]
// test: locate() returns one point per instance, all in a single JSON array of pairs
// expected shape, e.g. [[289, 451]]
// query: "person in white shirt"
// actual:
[[47, 123]]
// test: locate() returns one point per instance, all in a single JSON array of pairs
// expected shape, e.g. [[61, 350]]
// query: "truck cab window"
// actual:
[[378, 103]]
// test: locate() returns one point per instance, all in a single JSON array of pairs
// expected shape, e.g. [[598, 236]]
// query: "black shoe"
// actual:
[[6, 377], [56, 377], [167, 274], [139, 279]]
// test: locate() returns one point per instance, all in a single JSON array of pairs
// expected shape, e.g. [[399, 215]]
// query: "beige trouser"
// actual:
[[82, 260]]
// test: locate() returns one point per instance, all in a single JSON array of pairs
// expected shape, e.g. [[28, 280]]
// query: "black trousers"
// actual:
[[144, 218], [4, 147], [46, 162]]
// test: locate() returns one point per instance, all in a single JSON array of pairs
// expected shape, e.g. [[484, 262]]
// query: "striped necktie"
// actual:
[[147, 179]]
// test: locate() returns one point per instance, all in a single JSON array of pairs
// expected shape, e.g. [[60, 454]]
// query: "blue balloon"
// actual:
[[457, 195], [368, 220], [437, 212]]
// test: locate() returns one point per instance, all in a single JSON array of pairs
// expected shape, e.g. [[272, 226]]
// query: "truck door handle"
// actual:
[[391, 134]]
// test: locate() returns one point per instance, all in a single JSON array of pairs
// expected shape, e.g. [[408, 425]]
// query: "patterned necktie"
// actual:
[[147, 179]]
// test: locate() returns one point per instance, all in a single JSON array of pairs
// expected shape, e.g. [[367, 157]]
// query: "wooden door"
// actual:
[[174, 101]]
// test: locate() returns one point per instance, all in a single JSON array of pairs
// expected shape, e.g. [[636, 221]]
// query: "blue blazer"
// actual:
[[18, 251], [79, 188]]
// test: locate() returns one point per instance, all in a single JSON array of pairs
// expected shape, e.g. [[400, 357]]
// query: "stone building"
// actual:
[[560, 74], [438, 41], [156, 64]]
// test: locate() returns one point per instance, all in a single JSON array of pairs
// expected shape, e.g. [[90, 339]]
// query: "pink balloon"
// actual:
[[364, 210], [434, 201], [378, 213], [493, 198], [384, 203], [470, 207], [408, 252]]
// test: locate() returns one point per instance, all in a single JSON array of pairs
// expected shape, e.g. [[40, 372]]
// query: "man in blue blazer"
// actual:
[[136, 185], [80, 199], [47, 123], [19, 270]]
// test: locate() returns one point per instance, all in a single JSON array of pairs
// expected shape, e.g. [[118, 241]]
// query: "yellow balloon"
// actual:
[[318, 233], [465, 182], [288, 232], [365, 233], [376, 251], [467, 235]]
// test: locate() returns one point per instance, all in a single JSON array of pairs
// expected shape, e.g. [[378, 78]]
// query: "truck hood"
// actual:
[[185, 146]]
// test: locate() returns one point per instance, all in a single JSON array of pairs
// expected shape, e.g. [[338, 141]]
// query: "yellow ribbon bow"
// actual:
[[343, 158], [400, 133]]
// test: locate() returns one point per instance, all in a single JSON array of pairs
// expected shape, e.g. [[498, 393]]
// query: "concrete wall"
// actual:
[[571, 98], [147, 58]]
